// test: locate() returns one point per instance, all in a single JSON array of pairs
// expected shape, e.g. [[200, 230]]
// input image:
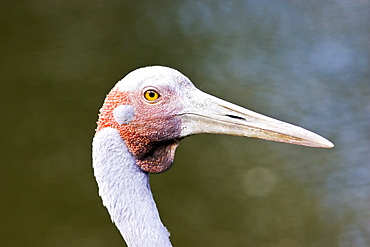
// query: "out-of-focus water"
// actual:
[[301, 62]]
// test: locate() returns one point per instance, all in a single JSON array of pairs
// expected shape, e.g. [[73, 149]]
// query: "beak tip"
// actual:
[[326, 144], [331, 145]]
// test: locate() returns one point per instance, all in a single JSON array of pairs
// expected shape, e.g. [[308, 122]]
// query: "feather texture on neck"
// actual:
[[125, 191]]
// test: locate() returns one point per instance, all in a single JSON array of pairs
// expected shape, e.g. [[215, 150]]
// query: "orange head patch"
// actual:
[[150, 131]]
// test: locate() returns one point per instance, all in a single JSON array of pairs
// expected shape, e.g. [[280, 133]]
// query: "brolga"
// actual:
[[140, 125]]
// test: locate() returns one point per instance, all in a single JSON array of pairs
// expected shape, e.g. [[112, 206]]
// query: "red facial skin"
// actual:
[[154, 133]]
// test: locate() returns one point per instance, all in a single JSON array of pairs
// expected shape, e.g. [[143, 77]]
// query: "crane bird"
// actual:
[[140, 125]]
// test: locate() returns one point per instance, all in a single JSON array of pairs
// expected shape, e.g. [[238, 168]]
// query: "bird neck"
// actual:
[[125, 191]]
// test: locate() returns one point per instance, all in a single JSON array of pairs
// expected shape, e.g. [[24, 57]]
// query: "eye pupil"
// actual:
[[151, 95]]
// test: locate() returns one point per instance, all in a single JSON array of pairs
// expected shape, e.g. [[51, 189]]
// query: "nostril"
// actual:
[[235, 117]]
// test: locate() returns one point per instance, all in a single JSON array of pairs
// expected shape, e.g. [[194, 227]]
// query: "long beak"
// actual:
[[204, 113]]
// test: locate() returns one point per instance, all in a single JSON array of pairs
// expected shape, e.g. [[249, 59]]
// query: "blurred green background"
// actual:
[[304, 62]]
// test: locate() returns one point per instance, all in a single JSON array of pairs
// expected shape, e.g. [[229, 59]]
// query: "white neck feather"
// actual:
[[126, 193]]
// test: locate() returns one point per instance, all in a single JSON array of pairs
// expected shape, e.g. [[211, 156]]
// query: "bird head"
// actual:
[[153, 108]]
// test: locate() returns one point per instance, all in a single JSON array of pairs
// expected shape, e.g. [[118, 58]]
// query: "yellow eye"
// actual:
[[151, 95]]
